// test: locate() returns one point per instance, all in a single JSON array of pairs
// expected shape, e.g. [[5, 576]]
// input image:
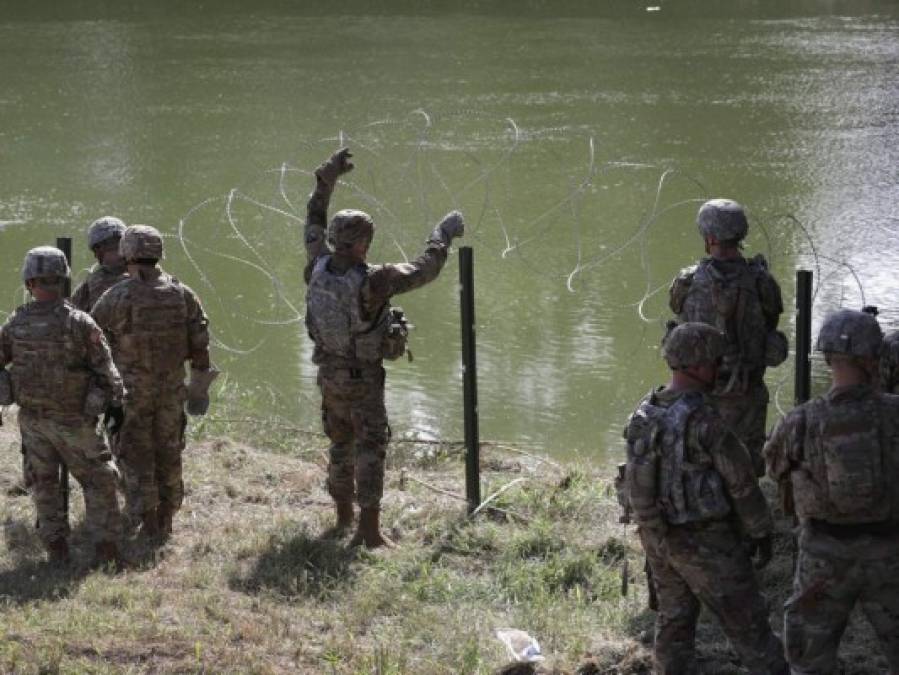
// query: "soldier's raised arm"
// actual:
[[392, 279], [326, 176]]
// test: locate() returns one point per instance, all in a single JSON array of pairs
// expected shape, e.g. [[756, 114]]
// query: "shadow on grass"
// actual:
[[298, 564], [29, 577]]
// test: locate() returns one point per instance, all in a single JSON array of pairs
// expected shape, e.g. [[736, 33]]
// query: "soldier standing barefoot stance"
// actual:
[[740, 298], [61, 374], [103, 239], [349, 318], [155, 324], [838, 458], [693, 492]]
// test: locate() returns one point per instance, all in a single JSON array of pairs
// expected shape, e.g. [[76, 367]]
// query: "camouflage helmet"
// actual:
[[692, 344], [723, 219], [847, 331], [141, 241], [104, 228], [349, 227], [45, 261]]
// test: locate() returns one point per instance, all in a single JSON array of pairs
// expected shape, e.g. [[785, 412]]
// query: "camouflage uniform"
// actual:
[[63, 377], [742, 299], [100, 279], [836, 458], [889, 363], [154, 324], [351, 375], [691, 488]]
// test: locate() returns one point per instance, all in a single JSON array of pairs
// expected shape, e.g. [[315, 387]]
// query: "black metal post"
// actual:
[[470, 379], [64, 244], [803, 385]]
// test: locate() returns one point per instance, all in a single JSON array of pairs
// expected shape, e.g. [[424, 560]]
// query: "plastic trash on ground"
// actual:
[[521, 646]]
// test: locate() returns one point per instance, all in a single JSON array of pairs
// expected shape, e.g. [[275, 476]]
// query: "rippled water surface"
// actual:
[[578, 142]]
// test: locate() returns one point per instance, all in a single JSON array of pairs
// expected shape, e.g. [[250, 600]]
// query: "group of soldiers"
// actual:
[[100, 384], [696, 447]]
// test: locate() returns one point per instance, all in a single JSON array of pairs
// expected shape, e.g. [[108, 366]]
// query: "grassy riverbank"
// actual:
[[251, 583]]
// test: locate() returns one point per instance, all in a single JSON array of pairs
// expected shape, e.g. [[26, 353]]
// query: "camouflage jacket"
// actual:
[[740, 298], [694, 456], [154, 324], [836, 457], [382, 281], [101, 278], [59, 360]]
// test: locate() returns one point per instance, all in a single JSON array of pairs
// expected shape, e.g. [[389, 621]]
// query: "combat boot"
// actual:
[[369, 531], [107, 556], [58, 552]]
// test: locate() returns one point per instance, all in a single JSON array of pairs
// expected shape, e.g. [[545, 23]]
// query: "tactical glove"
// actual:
[[449, 228], [198, 390], [762, 549], [113, 418], [334, 167]]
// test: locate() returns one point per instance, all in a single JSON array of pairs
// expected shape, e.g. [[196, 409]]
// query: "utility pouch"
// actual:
[[396, 336]]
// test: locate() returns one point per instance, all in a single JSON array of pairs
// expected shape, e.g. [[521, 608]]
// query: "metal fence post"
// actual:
[[470, 379]]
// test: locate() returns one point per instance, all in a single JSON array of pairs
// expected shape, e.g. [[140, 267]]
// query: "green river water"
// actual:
[[578, 137]]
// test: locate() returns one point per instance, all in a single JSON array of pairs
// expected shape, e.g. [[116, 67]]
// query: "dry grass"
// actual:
[[252, 583]]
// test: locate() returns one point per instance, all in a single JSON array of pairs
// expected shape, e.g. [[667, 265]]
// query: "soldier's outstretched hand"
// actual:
[[452, 225], [334, 167]]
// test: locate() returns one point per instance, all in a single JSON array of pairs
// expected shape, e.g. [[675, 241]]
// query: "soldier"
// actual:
[[836, 460], [692, 490], [889, 363], [103, 239], [349, 318], [741, 299], [62, 376], [154, 324]]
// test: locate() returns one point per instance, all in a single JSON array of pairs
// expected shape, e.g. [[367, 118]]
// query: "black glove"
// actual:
[[334, 167], [762, 549], [113, 418]]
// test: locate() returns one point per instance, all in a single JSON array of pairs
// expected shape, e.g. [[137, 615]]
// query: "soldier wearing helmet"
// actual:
[[56, 365], [836, 462], [690, 485], [155, 325], [741, 299], [349, 318], [103, 237]]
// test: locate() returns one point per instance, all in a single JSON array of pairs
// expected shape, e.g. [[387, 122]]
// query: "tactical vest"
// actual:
[[660, 464], [729, 300], [101, 280], [49, 367], [334, 316], [153, 338], [850, 461]]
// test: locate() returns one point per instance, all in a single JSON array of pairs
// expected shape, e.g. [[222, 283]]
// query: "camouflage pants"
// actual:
[[832, 575], [74, 441], [710, 565], [747, 416], [355, 420], [149, 447]]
